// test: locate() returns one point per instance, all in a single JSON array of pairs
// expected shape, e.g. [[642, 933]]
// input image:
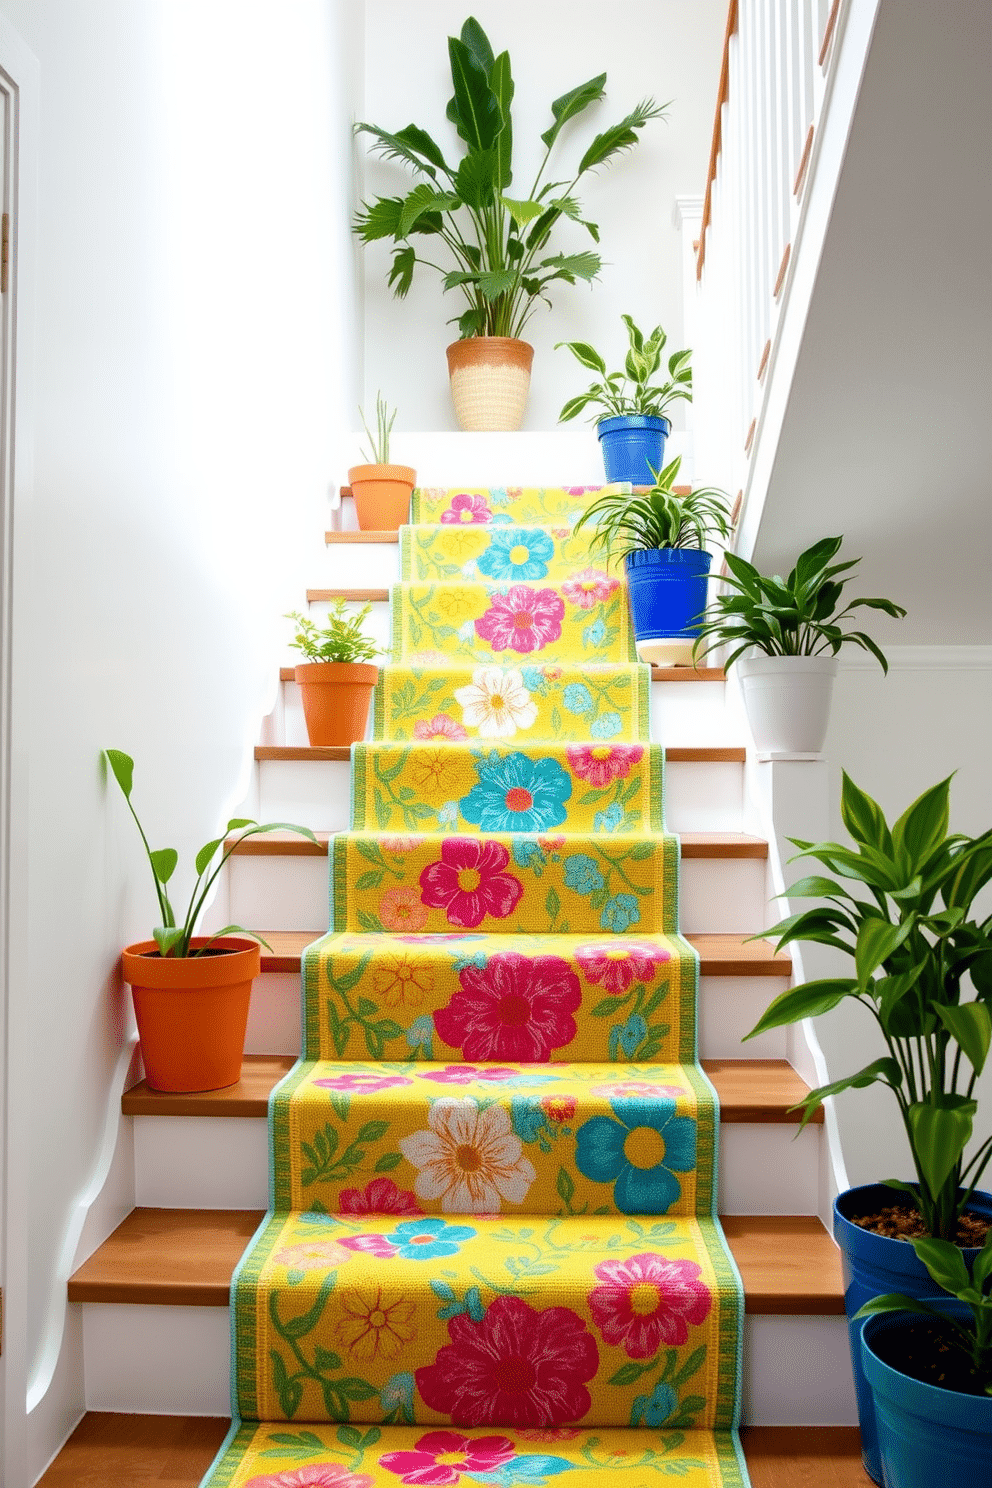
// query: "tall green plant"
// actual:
[[379, 441], [496, 245], [901, 908], [656, 518]]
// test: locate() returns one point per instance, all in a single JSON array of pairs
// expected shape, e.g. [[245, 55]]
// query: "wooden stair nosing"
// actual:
[[750, 1091], [658, 674], [789, 1264], [728, 955], [678, 754], [694, 845]]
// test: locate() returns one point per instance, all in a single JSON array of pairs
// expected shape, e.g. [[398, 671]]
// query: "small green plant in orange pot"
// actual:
[[381, 491], [191, 993], [337, 678]]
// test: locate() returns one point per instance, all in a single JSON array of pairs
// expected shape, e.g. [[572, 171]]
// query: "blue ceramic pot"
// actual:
[[926, 1435], [632, 446], [874, 1264], [667, 588]]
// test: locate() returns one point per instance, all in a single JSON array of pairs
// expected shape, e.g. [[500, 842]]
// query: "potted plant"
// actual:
[[337, 679], [784, 636], [191, 993], [660, 536], [901, 906], [490, 248], [381, 491], [632, 428], [929, 1367]]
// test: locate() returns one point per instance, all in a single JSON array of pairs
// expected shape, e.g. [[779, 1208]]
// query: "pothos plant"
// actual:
[[632, 391], [174, 939], [901, 907], [496, 245]]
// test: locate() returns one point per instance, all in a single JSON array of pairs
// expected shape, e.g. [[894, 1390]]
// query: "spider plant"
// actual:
[[379, 441], [656, 518]]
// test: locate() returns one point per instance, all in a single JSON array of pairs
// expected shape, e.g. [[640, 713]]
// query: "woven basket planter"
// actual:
[[490, 380]]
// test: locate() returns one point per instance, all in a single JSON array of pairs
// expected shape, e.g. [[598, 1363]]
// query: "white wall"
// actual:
[[669, 49], [194, 343]]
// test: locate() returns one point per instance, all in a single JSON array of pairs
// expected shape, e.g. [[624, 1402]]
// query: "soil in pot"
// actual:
[[924, 1349], [903, 1222]]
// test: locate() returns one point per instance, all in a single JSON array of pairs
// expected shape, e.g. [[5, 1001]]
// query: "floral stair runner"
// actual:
[[492, 1255]]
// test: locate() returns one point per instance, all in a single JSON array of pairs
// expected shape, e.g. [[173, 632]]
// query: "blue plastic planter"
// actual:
[[926, 1435], [667, 589], [632, 446], [874, 1264]]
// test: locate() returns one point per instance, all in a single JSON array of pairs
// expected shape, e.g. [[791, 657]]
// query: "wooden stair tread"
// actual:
[[658, 673], [750, 1090], [356, 535], [694, 845], [185, 1257], [719, 955], [680, 754], [114, 1450], [316, 596]]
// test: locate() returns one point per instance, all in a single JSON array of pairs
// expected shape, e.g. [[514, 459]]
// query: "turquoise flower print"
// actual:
[[397, 1395], [518, 794], [628, 1037], [606, 726], [499, 496], [534, 680], [517, 553], [577, 698], [608, 820], [594, 634], [420, 1034], [448, 814], [639, 1152], [654, 1409], [466, 632], [429, 1239], [527, 853], [620, 913], [582, 875]]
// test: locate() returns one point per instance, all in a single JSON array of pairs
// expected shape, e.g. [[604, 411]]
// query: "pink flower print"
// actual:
[[616, 967], [401, 844], [312, 1255], [465, 508], [359, 1084], [517, 1367], [464, 1074], [588, 588], [400, 909], [469, 882], [375, 1245], [601, 764], [558, 1108], [463, 1454], [314, 1475], [524, 619], [622, 1089], [381, 1196], [517, 1007], [646, 1301], [441, 726]]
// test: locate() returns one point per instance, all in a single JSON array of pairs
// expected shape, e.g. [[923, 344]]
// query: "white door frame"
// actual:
[[19, 85]]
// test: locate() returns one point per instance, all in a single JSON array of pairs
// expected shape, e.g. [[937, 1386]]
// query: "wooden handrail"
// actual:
[[723, 93], [828, 32]]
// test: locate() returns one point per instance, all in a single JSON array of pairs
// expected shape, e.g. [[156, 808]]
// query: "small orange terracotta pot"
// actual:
[[192, 1011], [336, 699], [382, 495], [490, 380]]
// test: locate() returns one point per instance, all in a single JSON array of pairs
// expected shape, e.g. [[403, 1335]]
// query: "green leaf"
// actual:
[[893, 1302], [522, 212], [388, 1161], [400, 276], [939, 1135], [477, 179], [863, 817], [877, 939], [923, 826], [477, 42], [945, 1263], [372, 1131], [411, 145], [123, 768], [165, 938], [205, 854], [808, 1000], [164, 862], [622, 136], [572, 103], [970, 1025], [586, 354], [380, 220], [565, 1187], [501, 82], [883, 1070], [349, 1436], [572, 266], [424, 198], [477, 114]]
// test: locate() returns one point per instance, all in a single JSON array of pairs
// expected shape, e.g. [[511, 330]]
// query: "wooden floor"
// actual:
[[116, 1451]]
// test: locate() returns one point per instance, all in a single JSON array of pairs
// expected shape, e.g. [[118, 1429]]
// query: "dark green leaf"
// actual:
[[572, 103], [970, 1025], [401, 274], [478, 118], [939, 1135], [424, 198], [808, 1000]]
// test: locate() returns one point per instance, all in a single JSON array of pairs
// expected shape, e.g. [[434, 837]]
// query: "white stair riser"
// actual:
[[207, 1162], [358, 565], [699, 797], [176, 1361], [274, 1014], [718, 895]]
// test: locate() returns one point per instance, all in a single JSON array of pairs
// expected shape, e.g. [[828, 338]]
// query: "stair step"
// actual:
[[115, 1450], [359, 596], [658, 673], [694, 845], [732, 754], [750, 1091], [185, 1258]]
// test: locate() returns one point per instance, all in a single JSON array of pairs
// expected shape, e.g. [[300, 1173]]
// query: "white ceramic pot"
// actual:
[[788, 702]]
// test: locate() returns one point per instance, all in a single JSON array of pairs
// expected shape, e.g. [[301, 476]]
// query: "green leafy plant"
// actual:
[[174, 939], [797, 616], [496, 245], [656, 518], [342, 639], [914, 946], [946, 1266], [631, 391], [379, 441]]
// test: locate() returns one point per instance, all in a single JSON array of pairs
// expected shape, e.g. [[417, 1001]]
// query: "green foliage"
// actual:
[[631, 391], [174, 939], [379, 441], [658, 518], [946, 1266], [343, 638], [496, 243], [797, 616], [914, 947]]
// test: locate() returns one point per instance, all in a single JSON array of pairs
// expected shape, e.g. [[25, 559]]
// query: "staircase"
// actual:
[[154, 1297]]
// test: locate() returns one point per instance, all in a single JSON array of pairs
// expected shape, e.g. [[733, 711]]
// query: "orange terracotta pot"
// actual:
[[192, 1011], [490, 380], [336, 699], [382, 495]]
